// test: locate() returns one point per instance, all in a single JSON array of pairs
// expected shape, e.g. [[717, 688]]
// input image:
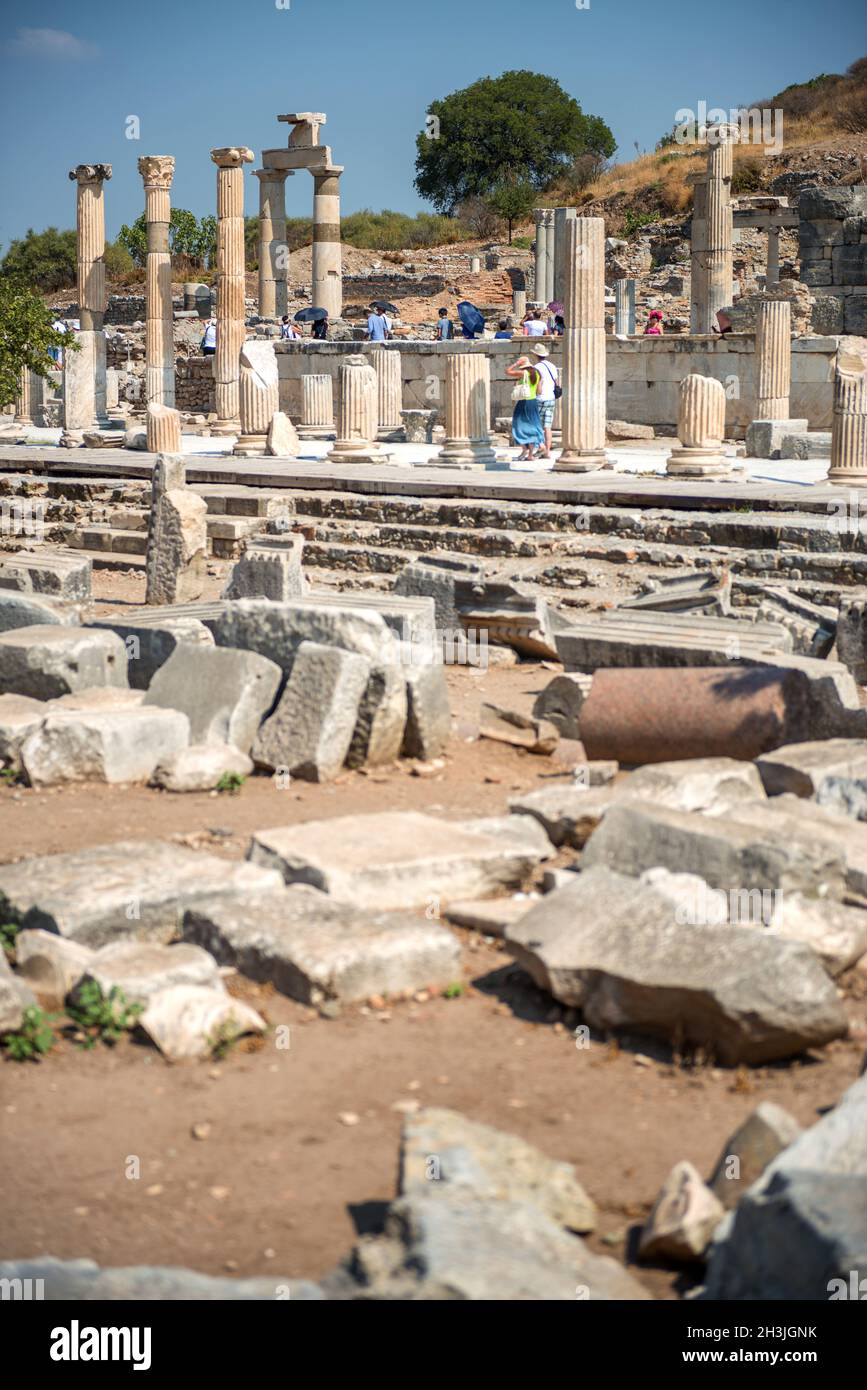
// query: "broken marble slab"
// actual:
[[140, 969], [392, 859], [104, 745], [191, 1021], [129, 890], [50, 660], [614, 948], [313, 947], [801, 768]]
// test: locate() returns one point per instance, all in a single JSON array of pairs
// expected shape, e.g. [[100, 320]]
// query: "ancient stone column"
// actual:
[[389, 392], [700, 429], [356, 414], [711, 278], [230, 284], [259, 396], [562, 218], [327, 271], [583, 399], [273, 297], [773, 360], [468, 412], [23, 401], [90, 254], [849, 421], [317, 406], [157, 171], [163, 429], [624, 307], [177, 544], [519, 305]]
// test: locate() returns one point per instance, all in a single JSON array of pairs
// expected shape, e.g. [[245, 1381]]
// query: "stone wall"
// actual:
[[194, 385], [644, 374], [832, 236]]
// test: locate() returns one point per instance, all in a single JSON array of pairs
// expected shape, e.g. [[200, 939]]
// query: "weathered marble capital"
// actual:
[[273, 175], [90, 173], [232, 156], [157, 170]]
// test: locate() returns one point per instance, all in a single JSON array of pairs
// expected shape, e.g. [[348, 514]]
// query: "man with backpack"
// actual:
[[548, 392]]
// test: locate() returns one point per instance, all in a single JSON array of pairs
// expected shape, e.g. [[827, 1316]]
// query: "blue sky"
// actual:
[[204, 73]]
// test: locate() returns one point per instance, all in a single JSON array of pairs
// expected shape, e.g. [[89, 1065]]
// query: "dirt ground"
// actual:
[[282, 1182]]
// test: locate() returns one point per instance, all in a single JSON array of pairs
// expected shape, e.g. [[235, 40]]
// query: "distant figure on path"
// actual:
[[534, 327], [526, 422], [377, 326], [654, 324], [504, 331], [546, 396], [209, 338], [320, 328], [445, 329], [288, 329]]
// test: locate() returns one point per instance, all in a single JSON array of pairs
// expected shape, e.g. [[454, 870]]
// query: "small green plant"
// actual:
[[454, 991], [34, 1038], [223, 1040], [634, 221], [522, 243], [9, 776], [102, 1017], [231, 782], [8, 933]]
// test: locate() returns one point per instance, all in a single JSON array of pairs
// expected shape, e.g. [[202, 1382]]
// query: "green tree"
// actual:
[[513, 201], [26, 335], [520, 126], [46, 260], [205, 242], [134, 240]]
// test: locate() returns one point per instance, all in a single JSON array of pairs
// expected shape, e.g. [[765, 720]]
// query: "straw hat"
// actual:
[[540, 352], [523, 363]]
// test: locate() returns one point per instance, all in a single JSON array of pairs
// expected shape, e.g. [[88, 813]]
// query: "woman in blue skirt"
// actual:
[[526, 421]]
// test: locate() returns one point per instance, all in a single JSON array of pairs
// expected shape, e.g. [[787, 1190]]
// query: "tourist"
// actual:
[[534, 327], [559, 326], [320, 328], [504, 331], [723, 323], [445, 328], [546, 395], [377, 325], [288, 329], [56, 353], [526, 423], [209, 338], [654, 324]]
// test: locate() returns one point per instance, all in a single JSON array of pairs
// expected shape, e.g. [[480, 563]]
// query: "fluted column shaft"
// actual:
[[701, 418], [386, 364], [468, 412], [584, 382], [562, 217], [624, 306], [544, 256], [773, 360], [23, 401], [90, 265], [849, 421], [327, 269], [273, 297], [711, 283], [230, 284], [356, 414], [317, 405], [157, 171]]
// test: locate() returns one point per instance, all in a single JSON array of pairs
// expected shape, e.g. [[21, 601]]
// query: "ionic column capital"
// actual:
[[90, 173], [232, 157]]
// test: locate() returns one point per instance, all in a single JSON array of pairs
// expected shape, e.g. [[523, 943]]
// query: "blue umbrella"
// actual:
[[472, 320], [311, 315]]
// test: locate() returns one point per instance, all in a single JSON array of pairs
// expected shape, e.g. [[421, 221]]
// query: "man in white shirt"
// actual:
[[534, 327], [546, 399]]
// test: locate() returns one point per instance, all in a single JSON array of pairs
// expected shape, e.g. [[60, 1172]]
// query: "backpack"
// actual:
[[558, 389]]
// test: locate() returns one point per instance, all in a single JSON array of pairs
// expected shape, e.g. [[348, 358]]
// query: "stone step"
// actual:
[[101, 538], [114, 559]]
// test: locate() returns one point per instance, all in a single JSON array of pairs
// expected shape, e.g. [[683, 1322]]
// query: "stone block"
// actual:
[[801, 768], [149, 645], [806, 828], [392, 859], [188, 1021], [491, 916], [684, 1217], [765, 437], [56, 574], [117, 746], [77, 1281], [852, 636], [276, 630], [224, 693], [313, 948], [381, 720], [764, 1133], [50, 964], [613, 948], [140, 969], [836, 934], [177, 547], [201, 767], [50, 660], [629, 638], [815, 444], [747, 849], [15, 996], [849, 265], [854, 315], [269, 568], [19, 717], [441, 580], [129, 890], [310, 732], [428, 714], [30, 610], [476, 1160], [282, 439]]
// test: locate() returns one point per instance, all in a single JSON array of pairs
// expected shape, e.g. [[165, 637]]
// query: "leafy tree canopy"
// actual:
[[26, 335], [197, 240], [520, 126], [512, 201], [46, 260]]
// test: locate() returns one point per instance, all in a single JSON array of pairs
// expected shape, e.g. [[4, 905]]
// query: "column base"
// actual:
[[357, 451], [464, 453], [223, 427], [581, 461], [698, 463], [841, 477], [250, 445]]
